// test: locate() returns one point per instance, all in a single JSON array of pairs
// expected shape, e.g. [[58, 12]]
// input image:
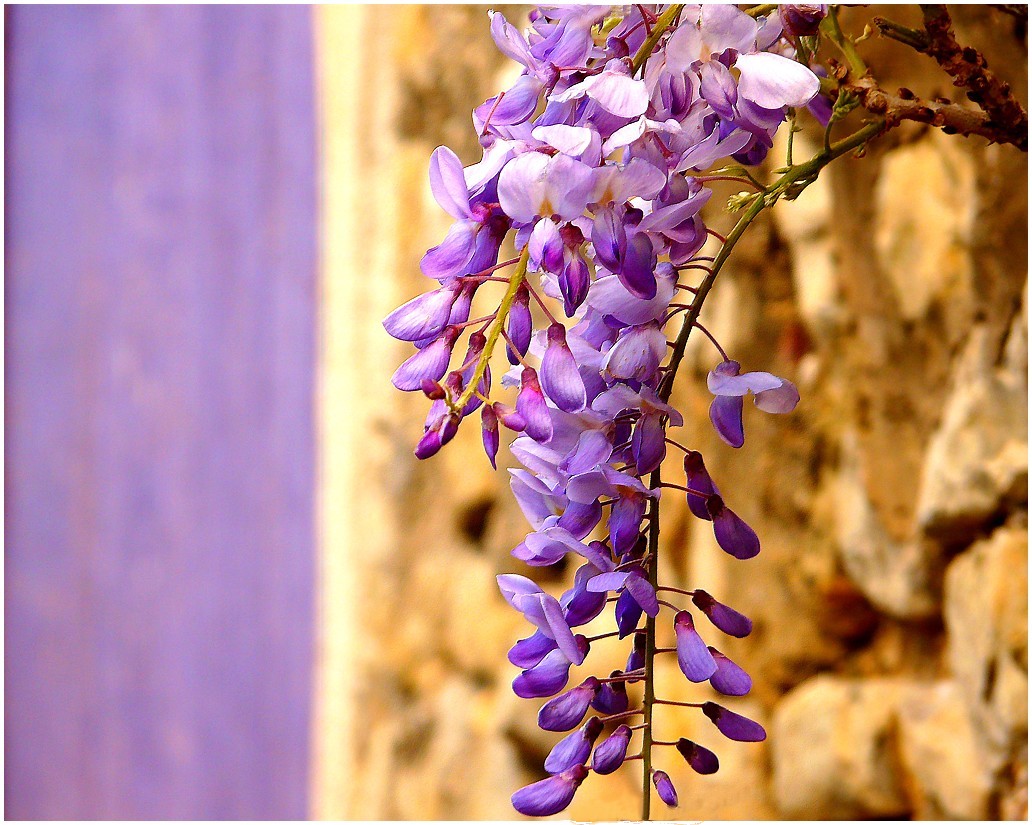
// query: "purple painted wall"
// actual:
[[160, 348]]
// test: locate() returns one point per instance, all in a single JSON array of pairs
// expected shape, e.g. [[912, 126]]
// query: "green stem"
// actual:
[[495, 331], [659, 28], [830, 26]]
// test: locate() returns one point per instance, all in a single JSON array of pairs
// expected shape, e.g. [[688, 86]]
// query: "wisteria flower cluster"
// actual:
[[594, 164]]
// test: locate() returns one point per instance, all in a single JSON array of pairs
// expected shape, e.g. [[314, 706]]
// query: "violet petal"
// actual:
[[734, 536], [565, 711], [732, 725], [693, 657], [549, 796], [610, 754], [729, 678], [702, 760]]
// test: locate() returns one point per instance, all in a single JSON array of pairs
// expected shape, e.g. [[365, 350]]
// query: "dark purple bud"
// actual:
[[520, 325], [528, 652], [665, 788], [565, 711], [432, 389], [489, 425], [734, 536], [628, 614], [726, 414], [611, 753], [551, 795], [560, 378], [546, 678], [734, 726], [530, 404], [574, 281], [637, 270], [723, 617], [575, 748], [701, 759], [636, 661], [693, 657], [611, 697], [802, 19], [729, 679], [698, 479]]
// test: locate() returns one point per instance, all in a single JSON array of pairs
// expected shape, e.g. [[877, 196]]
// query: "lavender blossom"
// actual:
[[593, 165]]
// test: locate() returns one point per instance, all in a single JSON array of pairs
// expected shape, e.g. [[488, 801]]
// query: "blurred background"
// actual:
[[232, 592]]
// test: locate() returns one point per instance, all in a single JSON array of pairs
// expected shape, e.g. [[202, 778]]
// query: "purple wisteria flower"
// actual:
[[593, 163]]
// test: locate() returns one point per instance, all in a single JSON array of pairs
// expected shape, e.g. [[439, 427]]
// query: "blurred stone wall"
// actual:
[[890, 647]]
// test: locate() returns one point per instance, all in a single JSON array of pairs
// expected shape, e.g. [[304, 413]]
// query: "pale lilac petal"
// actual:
[[607, 581], [448, 183], [450, 257], [782, 399], [772, 81], [618, 94], [574, 141], [725, 380], [608, 294], [431, 363], [422, 317], [727, 27], [637, 353], [587, 487], [510, 40], [560, 378]]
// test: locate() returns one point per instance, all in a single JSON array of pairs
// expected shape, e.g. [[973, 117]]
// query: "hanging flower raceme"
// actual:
[[592, 165]]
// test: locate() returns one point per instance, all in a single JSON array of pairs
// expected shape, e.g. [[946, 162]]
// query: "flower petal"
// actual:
[[732, 725], [729, 678], [693, 657], [560, 378], [448, 183], [702, 760], [549, 796], [611, 753], [734, 536], [772, 81]]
